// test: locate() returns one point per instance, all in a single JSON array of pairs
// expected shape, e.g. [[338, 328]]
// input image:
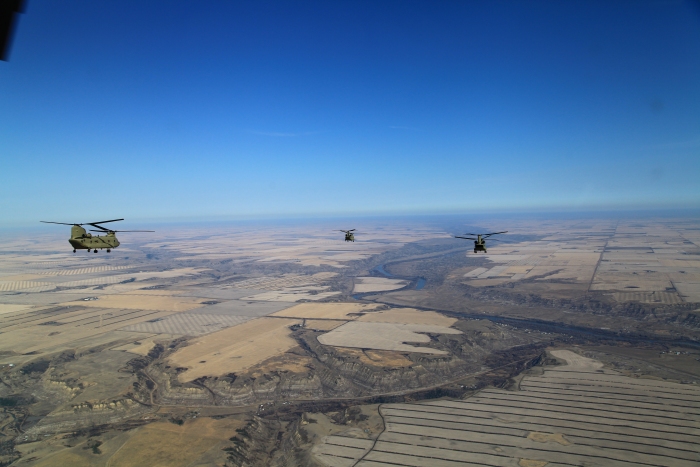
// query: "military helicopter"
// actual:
[[480, 240], [349, 236], [81, 240]]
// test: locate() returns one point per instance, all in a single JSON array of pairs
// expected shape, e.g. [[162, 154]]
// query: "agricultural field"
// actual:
[[651, 262], [385, 336], [578, 413], [377, 284], [207, 322], [344, 311], [235, 349]]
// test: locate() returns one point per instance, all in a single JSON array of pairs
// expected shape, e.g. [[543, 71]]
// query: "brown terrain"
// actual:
[[571, 342]]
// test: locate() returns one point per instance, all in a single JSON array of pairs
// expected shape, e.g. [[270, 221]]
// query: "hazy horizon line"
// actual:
[[560, 213]]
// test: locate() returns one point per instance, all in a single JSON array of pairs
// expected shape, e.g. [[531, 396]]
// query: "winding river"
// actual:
[[417, 283]]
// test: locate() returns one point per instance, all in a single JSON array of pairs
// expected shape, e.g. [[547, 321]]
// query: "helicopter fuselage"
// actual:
[[80, 239], [349, 237], [480, 244]]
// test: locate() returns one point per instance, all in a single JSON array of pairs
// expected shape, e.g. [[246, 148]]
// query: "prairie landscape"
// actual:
[[576, 413], [381, 351], [350, 233]]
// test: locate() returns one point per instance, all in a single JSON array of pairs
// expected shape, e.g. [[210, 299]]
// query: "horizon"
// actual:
[[343, 221]]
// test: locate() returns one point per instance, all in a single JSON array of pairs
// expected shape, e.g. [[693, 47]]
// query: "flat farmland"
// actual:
[[377, 284], [654, 261], [344, 311], [285, 281], [385, 336], [187, 324], [5, 308], [577, 414], [242, 308], [217, 292], [309, 245], [234, 349], [294, 294], [142, 302], [60, 328], [407, 316]]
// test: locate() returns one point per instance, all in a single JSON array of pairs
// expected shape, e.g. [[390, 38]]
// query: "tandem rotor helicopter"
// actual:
[[349, 236], [81, 240], [480, 240]]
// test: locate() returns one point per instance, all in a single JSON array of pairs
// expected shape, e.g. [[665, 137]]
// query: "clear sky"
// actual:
[[215, 109]]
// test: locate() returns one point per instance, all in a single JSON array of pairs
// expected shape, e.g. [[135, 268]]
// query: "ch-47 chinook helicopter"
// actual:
[[81, 240], [480, 240], [349, 236]]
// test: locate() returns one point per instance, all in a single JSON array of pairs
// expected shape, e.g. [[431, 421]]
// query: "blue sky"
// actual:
[[220, 109]]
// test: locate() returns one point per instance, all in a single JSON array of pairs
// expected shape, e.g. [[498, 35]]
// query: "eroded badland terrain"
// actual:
[[572, 342]]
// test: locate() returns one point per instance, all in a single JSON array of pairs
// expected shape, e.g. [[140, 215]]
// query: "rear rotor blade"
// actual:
[[103, 222], [466, 238], [115, 231], [62, 223], [494, 233]]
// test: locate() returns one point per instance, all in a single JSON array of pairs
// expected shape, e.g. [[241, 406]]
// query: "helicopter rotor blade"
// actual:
[[62, 223], [104, 222], [115, 231], [494, 233], [466, 238]]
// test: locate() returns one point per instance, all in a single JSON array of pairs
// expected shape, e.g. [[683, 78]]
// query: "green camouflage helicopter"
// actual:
[[480, 240], [81, 240], [349, 236]]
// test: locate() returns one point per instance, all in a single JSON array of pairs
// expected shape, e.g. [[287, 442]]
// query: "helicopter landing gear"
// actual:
[[474, 250], [73, 250], [108, 250], [88, 250], [95, 250]]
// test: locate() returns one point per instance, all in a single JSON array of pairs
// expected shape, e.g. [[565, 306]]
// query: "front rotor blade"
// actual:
[[466, 238], [100, 227], [62, 223]]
